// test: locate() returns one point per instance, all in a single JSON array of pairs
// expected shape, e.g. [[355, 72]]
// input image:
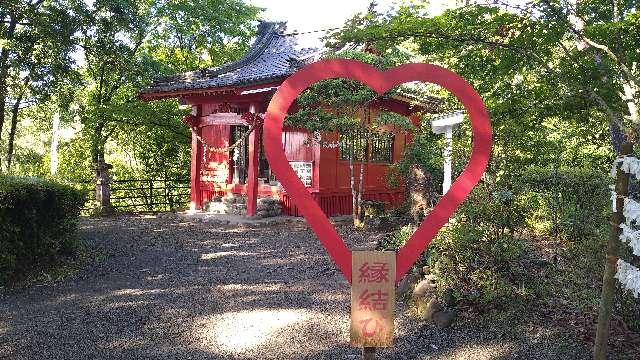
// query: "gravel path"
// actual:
[[173, 288]]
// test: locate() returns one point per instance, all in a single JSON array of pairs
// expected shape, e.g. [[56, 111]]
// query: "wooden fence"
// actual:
[[142, 195]]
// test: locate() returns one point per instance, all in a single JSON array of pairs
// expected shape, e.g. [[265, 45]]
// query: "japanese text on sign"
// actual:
[[372, 298]]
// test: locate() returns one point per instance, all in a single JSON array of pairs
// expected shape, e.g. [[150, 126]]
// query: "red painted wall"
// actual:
[[295, 145], [331, 182], [334, 174]]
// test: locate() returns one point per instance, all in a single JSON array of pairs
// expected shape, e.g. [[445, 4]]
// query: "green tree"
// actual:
[[127, 43], [36, 40], [559, 78], [197, 34], [345, 107], [532, 68]]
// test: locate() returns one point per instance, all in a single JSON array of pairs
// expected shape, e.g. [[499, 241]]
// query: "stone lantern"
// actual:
[[103, 181]]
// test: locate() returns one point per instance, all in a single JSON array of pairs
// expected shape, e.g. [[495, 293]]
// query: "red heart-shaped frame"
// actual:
[[380, 82]]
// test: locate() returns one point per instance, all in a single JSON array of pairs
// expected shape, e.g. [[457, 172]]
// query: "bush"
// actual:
[[480, 256], [489, 255], [372, 208], [38, 222], [573, 203], [484, 257], [397, 238]]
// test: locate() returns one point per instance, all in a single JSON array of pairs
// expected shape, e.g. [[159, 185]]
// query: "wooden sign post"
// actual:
[[373, 298]]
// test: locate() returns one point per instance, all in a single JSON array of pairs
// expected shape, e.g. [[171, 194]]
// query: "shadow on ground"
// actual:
[[171, 288]]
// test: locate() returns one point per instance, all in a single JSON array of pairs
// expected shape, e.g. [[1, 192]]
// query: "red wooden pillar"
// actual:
[[196, 164], [252, 176]]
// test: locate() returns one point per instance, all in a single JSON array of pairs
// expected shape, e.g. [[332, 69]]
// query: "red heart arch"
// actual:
[[379, 81]]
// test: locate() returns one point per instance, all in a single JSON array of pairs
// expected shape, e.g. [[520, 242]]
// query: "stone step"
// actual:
[[217, 208]]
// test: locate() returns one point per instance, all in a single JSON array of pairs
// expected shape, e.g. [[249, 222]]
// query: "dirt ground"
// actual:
[[186, 288]]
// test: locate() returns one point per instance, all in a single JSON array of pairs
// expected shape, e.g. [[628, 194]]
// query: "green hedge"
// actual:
[[486, 258], [38, 222], [575, 203]]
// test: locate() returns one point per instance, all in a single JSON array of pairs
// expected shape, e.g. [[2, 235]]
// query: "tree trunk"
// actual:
[[613, 248], [629, 97], [97, 146], [4, 69], [617, 136], [360, 215], [630, 91], [352, 180], [55, 134], [12, 132]]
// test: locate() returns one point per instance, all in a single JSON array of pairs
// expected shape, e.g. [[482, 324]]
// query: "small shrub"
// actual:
[[480, 256], [398, 238], [481, 270], [38, 221], [372, 208]]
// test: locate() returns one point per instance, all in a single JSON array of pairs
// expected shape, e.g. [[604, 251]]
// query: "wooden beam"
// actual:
[[223, 119], [196, 95]]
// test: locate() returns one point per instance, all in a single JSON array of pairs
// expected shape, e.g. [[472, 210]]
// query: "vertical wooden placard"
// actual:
[[373, 298]]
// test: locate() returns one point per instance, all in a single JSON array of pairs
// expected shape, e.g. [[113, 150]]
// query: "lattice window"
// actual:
[[381, 147], [356, 138]]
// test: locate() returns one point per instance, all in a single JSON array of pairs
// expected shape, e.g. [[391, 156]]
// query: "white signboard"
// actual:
[[304, 169]]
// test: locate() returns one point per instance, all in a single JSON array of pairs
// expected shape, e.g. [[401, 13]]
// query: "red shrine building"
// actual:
[[229, 100]]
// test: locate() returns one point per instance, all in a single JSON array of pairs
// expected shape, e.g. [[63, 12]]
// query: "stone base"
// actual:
[[232, 205], [237, 205]]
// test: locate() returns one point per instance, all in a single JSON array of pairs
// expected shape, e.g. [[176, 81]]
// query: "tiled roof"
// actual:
[[273, 56]]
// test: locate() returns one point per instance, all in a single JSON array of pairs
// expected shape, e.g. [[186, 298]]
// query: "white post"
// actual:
[[448, 149], [445, 124], [54, 143]]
